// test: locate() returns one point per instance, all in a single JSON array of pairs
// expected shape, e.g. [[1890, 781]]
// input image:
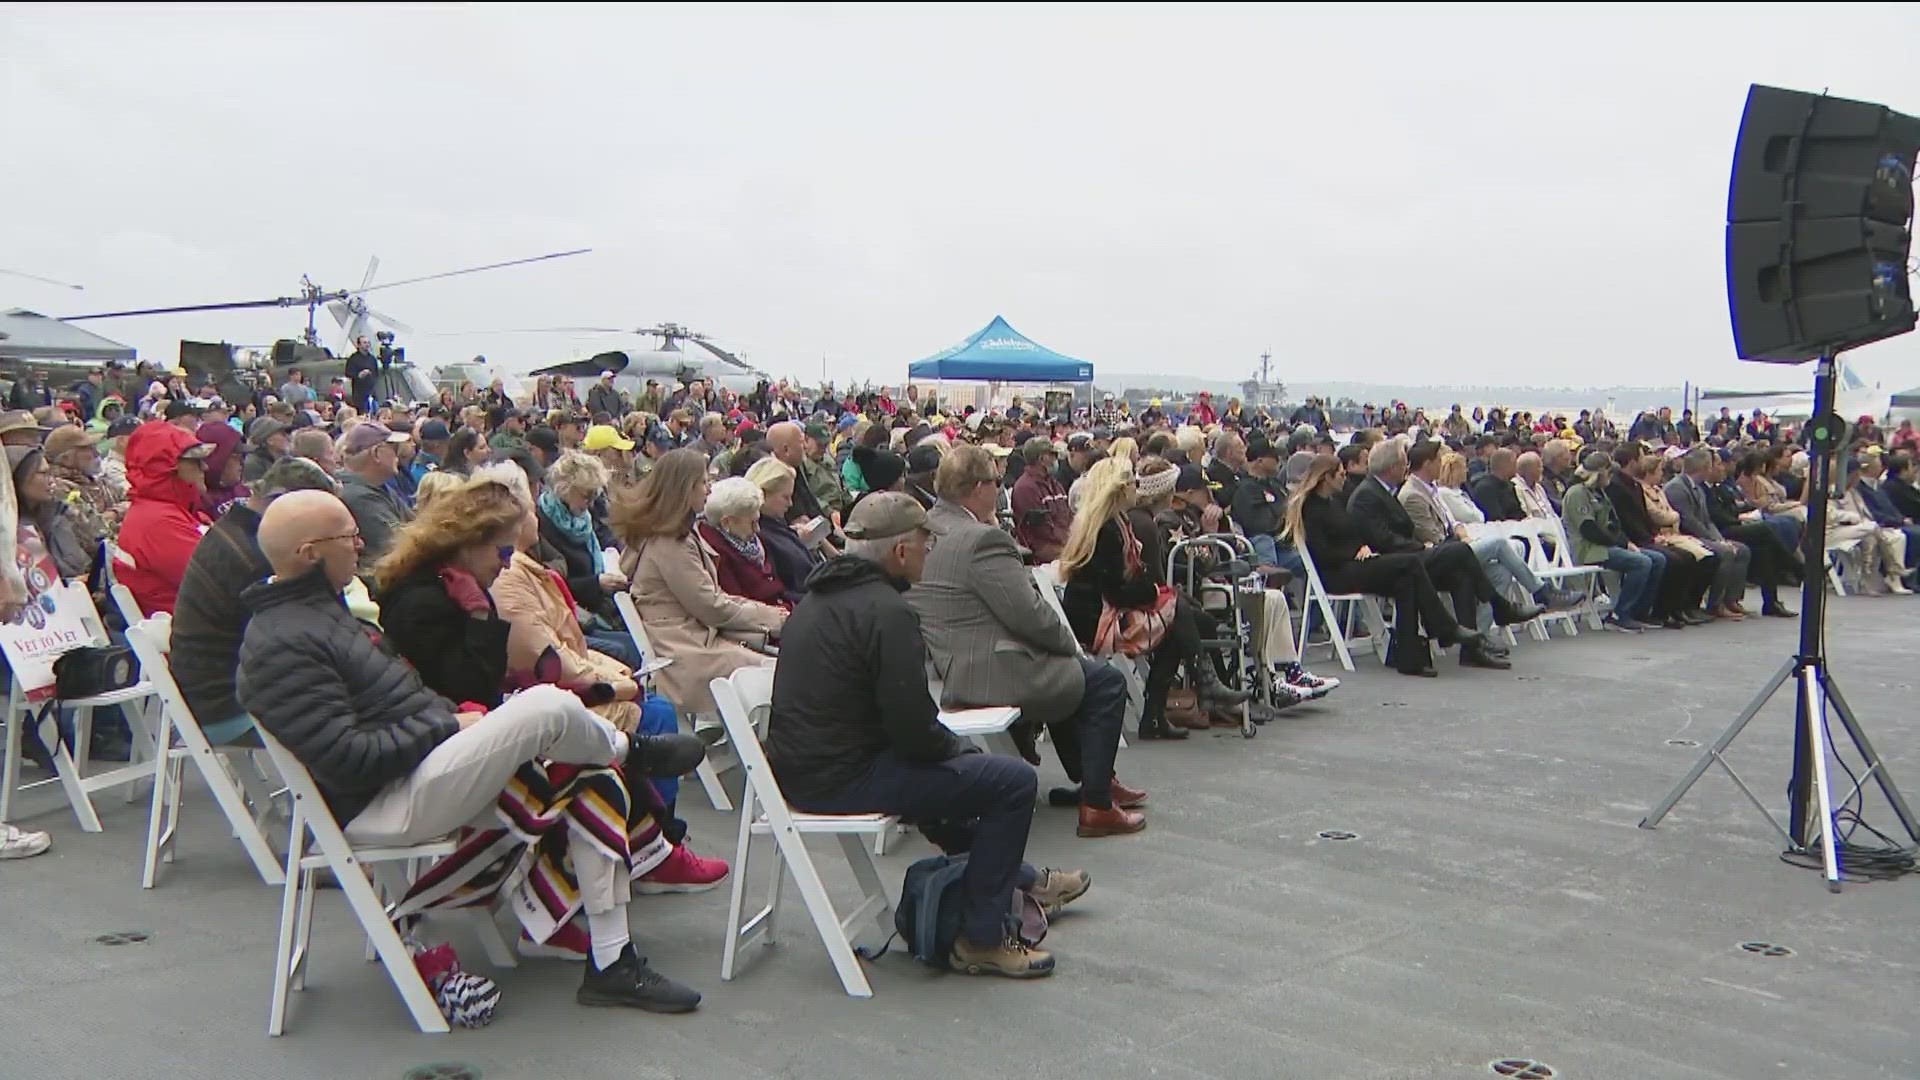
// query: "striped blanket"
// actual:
[[545, 809]]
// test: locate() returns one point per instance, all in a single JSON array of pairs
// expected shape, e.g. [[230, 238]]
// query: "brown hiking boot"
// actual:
[[1110, 822], [1058, 888], [1009, 959]]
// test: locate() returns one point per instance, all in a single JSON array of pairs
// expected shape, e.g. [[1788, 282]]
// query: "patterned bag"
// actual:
[[1134, 631]]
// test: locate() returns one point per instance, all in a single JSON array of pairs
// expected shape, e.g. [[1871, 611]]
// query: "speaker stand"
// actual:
[[1810, 790]]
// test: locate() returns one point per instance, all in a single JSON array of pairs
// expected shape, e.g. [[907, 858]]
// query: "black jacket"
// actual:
[[1224, 480], [209, 618], [315, 678], [851, 684], [1380, 518], [582, 580], [458, 656], [1259, 504], [1906, 497], [1496, 498], [1630, 507], [792, 562], [1333, 538], [1104, 578]]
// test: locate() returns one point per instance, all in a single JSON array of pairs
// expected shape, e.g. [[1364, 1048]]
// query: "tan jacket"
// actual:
[[1420, 503], [677, 592], [526, 595]]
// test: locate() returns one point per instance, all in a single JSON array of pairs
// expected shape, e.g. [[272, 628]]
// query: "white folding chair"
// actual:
[[337, 853], [1561, 571], [708, 773], [150, 639], [70, 767], [1843, 561], [1046, 579], [1340, 633], [123, 600], [764, 812]]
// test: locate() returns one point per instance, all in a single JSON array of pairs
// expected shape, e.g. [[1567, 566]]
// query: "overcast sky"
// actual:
[[1492, 195]]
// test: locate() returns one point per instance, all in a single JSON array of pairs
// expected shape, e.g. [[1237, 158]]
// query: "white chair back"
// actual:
[[150, 640], [630, 615], [707, 773], [129, 607]]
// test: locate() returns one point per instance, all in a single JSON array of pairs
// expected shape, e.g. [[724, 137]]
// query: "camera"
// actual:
[[387, 354]]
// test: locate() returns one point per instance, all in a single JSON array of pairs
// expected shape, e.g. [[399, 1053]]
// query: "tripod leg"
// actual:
[[1713, 752], [1813, 704], [1874, 764]]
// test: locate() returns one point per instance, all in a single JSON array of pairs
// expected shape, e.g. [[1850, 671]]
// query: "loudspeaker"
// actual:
[[1819, 216]]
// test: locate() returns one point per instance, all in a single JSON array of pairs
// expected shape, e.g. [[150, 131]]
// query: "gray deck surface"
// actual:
[[1498, 902]]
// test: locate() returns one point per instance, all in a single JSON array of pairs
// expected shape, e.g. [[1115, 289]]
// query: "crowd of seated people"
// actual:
[[880, 555]]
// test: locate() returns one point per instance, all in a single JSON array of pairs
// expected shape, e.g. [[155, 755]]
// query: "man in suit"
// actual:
[[1434, 524], [994, 640], [1687, 493], [1452, 565]]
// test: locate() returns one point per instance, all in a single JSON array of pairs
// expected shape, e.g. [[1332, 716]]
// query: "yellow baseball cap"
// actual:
[[604, 436]]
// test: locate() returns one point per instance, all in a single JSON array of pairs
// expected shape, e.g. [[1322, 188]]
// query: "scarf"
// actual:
[[750, 547], [576, 527]]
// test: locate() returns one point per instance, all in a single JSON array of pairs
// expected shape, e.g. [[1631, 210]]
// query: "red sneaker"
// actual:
[[685, 871], [570, 942]]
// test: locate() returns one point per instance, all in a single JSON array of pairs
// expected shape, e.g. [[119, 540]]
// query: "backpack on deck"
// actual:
[[931, 906]]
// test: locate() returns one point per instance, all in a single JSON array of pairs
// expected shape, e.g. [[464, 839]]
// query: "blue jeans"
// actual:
[[1269, 551], [615, 643], [997, 792], [658, 718], [1639, 579]]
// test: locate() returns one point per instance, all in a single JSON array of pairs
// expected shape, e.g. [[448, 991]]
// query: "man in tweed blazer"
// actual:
[[994, 640]]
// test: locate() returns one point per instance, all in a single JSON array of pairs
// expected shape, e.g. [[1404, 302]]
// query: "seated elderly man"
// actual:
[[1687, 493], [399, 764], [995, 640], [854, 731], [1435, 521], [209, 618]]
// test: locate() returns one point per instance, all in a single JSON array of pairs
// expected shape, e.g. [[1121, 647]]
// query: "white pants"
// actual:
[[1272, 627]]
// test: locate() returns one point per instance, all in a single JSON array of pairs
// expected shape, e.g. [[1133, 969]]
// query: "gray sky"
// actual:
[[1493, 195]]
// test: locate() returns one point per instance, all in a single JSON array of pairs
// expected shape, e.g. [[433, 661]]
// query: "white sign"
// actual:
[[49, 626]]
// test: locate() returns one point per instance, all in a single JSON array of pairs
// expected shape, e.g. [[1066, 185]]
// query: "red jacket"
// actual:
[[741, 576], [163, 522], [1202, 413], [1038, 494]]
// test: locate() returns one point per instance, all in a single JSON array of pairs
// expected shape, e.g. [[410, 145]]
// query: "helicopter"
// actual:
[[236, 371], [669, 363]]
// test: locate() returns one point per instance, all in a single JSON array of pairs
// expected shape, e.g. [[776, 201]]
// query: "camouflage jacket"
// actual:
[[92, 509]]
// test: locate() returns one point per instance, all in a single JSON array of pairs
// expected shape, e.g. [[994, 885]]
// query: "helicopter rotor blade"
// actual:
[[236, 305], [390, 321], [478, 269], [342, 312], [373, 266], [44, 280], [537, 330]]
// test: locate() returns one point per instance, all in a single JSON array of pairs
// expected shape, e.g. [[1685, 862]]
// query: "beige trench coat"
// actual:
[[677, 592], [528, 598]]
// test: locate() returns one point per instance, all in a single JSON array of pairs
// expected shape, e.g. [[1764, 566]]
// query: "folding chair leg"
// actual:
[[226, 792], [776, 880], [820, 907], [10, 769], [386, 941], [868, 875], [499, 953], [69, 775], [283, 950], [710, 783], [156, 824], [737, 891]]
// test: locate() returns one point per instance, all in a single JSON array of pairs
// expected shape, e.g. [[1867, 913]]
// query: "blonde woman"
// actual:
[[689, 619], [792, 559], [1114, 587]]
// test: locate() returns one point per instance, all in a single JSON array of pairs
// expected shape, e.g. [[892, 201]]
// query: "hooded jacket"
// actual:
[[851, 684], [314, 678], [226, 443], [164, 522]]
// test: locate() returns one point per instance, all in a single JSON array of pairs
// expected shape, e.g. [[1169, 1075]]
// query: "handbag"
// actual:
[[77, 673], [1134, 631]]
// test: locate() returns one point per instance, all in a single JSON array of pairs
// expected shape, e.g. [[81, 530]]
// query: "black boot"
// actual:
[[1154, 725], [1211, 691]]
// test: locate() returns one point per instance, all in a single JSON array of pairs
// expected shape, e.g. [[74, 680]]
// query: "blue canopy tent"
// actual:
[[1000, 353]]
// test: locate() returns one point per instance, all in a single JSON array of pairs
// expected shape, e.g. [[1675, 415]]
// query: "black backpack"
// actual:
[[928, 916]]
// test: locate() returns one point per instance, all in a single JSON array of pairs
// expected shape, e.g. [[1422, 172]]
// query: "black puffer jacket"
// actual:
[[852, 682], [457, 655], [314, 677]]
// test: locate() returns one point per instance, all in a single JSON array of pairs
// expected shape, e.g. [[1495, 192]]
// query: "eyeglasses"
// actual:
[[354, 535]]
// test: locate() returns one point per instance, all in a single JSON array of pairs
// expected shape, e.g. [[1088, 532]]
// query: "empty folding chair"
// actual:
[[764, 812]]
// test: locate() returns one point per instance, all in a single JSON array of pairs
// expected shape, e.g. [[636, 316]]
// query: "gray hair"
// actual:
[[1384, 456], [294, 474], [735, 496], [507, 474], [575, 473], [873, 551], [1223, 439], [1528, 461], [1696, 459]]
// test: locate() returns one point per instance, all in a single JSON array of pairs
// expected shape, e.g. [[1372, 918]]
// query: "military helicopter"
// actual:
[[669, 363], [236, 371]]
